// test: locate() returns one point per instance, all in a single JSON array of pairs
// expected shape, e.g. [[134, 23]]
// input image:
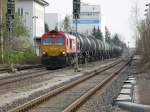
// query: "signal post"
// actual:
[[10, 18], [76, 16]]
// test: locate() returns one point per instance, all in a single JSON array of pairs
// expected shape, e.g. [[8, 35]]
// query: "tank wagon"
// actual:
[[59, 49]]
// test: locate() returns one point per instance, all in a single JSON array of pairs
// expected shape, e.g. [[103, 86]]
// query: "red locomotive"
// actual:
[[59, 49]]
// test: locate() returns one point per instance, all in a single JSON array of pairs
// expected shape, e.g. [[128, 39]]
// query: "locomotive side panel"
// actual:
[[72, 44]]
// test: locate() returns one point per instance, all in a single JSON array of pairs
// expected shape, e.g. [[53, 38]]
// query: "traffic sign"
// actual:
[[86, 21]]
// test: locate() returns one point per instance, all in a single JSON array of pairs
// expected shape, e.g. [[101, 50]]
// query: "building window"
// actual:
[[20, 11]]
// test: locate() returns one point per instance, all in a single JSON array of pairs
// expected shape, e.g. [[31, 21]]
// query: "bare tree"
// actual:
[[135, 17], [107, 35], [141, 33], [66, 24]]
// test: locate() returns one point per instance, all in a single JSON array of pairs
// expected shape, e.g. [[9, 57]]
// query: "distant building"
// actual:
[[32, 12], [52, 20], [90, 17]]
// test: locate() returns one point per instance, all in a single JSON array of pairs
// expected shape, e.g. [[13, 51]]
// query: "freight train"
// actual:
[[60, 49]]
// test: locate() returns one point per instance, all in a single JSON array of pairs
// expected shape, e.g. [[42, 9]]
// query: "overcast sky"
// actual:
[[116, 14]]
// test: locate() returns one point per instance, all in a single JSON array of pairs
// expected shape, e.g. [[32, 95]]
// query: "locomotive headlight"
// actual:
[[44, 53], [64, 53]]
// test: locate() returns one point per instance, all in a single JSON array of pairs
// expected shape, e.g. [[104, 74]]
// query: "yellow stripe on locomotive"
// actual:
[[53, 50]]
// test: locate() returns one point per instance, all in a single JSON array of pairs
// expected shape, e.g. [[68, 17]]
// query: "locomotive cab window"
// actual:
[[47, 41], [59, 41]]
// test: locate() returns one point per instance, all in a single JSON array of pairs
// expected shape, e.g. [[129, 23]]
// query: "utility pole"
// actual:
[[76, 16], [35, 17], [128, 49], [1, 31], [34, 40], [10, 18]]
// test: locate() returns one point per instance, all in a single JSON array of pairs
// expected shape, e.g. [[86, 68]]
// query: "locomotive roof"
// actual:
[[58, 33]]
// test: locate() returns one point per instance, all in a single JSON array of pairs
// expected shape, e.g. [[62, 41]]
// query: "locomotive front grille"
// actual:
[[53, 50]]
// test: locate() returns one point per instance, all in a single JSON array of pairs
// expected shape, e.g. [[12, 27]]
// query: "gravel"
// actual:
[[103, 100], [29, 91]]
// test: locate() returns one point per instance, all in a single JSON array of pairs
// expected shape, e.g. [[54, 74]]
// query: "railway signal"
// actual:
[[76, 15], [10, 16], [76, 9]]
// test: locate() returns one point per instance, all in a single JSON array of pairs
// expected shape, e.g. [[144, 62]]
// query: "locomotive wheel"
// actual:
[[71, 60], [67, 61]]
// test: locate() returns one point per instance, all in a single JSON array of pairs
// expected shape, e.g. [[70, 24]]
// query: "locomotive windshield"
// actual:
[[59, 41], [47, 41], [53, 41]]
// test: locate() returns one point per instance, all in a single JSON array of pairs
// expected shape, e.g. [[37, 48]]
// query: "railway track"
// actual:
[[26, 67], [74, 93], [23, 76], [4, 68], [20, 80], [37, 72]]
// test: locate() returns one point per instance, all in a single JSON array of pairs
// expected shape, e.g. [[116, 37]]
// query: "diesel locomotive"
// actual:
[[60, 49]]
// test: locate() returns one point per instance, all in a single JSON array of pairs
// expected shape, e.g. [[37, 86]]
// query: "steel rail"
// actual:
[[4, 69], [16, 78], [76, 104], [57, 91], [27, 73], [19, 74], [22, 77]]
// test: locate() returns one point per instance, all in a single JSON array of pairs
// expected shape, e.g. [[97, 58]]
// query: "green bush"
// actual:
[[28, 53], [19, 56]]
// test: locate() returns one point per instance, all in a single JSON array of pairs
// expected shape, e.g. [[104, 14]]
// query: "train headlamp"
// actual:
[[44, 53], [63, 53]]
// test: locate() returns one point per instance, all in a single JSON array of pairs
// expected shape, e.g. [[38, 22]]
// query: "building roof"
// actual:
[[42, 2]]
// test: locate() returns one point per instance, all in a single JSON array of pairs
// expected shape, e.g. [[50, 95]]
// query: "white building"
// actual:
[[52, 20], [32, 12], [90, 17]]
